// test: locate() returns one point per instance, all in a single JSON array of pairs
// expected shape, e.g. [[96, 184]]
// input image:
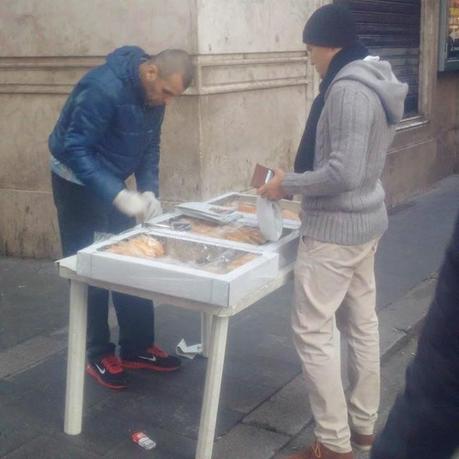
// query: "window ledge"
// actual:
[[412, 123]]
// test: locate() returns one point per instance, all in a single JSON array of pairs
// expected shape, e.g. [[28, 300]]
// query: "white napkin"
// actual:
[[188, 351], [269, 215]]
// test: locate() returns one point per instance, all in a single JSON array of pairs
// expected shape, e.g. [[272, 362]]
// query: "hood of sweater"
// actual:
[[378, 76]]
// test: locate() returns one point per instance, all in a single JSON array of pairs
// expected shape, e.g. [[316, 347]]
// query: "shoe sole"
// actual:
[[97, 377], [146, 366]]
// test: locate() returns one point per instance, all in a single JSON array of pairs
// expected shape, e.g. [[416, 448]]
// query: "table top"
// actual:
[[67, 270]]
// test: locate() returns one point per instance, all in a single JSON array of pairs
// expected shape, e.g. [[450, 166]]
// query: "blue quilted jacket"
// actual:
[[106, 131]]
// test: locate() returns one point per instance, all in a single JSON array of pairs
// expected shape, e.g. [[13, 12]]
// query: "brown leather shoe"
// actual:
[[319, 451], [362, 442]]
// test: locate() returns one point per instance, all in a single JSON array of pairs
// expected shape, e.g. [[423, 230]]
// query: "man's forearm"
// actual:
[[326, 181]]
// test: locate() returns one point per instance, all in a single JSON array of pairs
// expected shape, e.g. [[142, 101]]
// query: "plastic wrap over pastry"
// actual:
[[210, 258], [142, 246], [251, 208], [238, 232]]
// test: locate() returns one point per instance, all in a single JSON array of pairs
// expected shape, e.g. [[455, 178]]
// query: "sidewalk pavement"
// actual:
[[263, 409]]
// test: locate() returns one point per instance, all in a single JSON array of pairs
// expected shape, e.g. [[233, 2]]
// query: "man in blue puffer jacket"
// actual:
[[108, 130]]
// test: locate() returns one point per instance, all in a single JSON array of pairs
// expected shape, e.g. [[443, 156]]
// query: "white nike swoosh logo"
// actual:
[[151, 359], [102, 370]]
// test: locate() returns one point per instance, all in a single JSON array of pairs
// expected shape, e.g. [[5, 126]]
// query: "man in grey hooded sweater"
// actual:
[[337, 170]]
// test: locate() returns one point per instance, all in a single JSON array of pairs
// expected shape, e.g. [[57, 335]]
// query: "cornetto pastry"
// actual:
[[142, 246], [249, 208], [230, 232], [246, 207], [207, 228], [245, 234]]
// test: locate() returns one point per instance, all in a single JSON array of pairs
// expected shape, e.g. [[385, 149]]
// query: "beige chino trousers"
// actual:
[[335, 284]]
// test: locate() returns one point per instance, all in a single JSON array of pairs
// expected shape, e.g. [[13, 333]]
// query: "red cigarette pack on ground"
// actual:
[[143, 440]]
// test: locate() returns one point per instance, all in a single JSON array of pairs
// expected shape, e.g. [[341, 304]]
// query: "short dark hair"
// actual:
[[172, 61]]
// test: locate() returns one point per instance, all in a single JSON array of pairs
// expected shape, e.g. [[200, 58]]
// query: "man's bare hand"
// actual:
[[273, 189]]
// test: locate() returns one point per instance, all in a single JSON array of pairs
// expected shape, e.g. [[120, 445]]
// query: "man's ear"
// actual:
[[152, 72]]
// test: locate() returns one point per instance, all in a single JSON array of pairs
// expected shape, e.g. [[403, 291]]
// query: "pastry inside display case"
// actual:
[[246, 203], [250, 208], [210, 258], [142, 246], [212, 272], [242, 232]]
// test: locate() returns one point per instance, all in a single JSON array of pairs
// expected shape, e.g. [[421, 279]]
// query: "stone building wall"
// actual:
[[252, 91]]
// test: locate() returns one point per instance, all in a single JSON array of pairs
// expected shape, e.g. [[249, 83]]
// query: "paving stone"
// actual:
[[413, 247], [298, 442], [42, 408], [25, 355], [265, 369], [21, 415], [13, 438], [286, 412], [9, 392], [177, 413], [102, 431], [243, 397], [168, 446], [393, 379], [400, 317], [248, 442], [50, 372], [241, 394], [33, 300], [46, 447]]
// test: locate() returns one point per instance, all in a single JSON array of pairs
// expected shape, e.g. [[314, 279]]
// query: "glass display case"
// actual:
[[218, 274]]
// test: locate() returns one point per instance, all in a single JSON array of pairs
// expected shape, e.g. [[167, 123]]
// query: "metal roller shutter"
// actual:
[[391, 29]]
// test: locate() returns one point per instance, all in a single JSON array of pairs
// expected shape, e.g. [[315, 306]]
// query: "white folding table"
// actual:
[[214, 330]]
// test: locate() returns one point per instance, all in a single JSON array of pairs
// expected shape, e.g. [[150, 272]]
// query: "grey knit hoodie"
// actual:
[[343, 198]]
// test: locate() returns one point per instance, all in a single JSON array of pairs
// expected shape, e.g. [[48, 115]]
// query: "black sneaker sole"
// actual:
[[91, 372], [133, 365]]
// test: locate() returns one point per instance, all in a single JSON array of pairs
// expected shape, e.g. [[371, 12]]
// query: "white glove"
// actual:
[[131, 204], [153, 206]]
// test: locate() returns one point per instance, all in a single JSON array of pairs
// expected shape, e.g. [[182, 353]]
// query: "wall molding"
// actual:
[[43, 75], [236, 73], [215, 74]]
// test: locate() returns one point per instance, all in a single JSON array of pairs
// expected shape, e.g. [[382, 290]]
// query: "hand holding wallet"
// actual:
[[261, 175]]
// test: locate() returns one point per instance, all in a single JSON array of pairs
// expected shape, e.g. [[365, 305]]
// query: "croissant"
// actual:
[[142, 246]]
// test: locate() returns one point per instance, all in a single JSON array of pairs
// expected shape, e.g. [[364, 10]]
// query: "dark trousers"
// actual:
[[424, 422], [80, 215]]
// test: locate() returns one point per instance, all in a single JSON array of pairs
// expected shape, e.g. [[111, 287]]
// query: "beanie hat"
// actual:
[[330, 26]]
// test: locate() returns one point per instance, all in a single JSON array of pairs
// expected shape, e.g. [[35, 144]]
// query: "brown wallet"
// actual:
[[261, 175]]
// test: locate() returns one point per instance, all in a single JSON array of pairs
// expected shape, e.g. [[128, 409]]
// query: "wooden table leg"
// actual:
[[76, 358], [212, 387], [206, 327]]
